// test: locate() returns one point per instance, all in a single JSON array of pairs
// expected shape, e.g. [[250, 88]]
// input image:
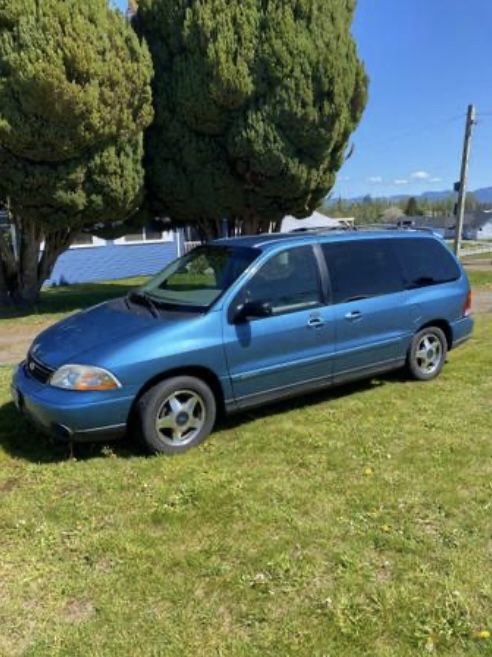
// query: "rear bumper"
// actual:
[[461, 330], [67, 415]]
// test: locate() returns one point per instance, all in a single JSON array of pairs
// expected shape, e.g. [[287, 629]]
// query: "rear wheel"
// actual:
[[176, 414], [427, 353]]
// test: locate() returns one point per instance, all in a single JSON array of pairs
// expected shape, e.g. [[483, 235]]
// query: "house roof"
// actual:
[[472, 220], [478, 219], [431, 222]]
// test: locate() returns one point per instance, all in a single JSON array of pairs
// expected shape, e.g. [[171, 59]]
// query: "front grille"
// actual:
[[38, 370]]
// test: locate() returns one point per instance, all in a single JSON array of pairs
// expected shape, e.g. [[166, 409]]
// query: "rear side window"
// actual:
[[359, 270], [425, 262]]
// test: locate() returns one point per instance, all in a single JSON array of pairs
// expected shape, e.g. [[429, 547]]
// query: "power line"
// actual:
[[410, 132]]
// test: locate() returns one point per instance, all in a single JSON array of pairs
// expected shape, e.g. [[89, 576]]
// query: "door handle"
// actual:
[[315, 322], [354, 314]]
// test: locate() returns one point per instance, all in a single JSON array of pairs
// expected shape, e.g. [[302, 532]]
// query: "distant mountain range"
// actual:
[[483, 195]]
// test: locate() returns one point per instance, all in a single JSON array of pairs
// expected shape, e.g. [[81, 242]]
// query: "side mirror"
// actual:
[[251, 310]]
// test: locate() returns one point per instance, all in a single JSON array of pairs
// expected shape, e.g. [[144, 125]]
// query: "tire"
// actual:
[[176, 415], [427, 353]]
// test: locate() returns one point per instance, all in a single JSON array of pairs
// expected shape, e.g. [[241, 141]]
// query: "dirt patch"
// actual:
[[384, 573], [478, 265], [482, 301], [15, 340], [9, 485], [79, 611], [104, 565]]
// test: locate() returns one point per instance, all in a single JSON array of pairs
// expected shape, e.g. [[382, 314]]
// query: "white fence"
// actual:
[[188, 246], [476, 250]]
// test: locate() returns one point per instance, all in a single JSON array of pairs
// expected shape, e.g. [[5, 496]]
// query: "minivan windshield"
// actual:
[[198, 279]]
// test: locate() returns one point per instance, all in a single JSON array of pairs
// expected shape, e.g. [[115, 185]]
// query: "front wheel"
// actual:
[[176, 414], [427, 353]]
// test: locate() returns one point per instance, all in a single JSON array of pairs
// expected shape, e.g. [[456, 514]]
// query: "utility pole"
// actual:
[[460, 214]]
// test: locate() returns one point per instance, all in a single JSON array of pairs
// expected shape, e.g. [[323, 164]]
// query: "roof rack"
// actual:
[[361, 227], [321, 229], [425, 229]]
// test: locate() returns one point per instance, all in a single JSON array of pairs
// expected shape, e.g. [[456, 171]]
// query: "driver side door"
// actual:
[[292, 349]]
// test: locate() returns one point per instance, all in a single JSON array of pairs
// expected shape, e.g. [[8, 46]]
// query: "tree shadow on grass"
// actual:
[[21, 440], [311, 399]]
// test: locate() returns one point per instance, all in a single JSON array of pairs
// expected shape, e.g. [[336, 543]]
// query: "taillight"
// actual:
[[468, 305]]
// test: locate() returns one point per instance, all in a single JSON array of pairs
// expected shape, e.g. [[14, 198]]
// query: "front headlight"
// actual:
[[84, 377]]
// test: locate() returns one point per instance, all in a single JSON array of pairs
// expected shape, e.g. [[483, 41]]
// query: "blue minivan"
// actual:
[[241, 322]]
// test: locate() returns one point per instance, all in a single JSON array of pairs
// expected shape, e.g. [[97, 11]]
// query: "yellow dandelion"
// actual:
[[482, 634], [430, 644]]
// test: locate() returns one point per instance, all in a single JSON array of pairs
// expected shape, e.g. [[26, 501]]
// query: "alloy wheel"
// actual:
[[181, 417], [428, 354]]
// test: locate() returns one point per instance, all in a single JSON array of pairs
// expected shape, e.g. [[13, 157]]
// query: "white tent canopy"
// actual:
[[316, 220]]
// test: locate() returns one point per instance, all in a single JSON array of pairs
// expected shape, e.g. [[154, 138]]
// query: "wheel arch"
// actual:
[[445, 327], [203, 373]]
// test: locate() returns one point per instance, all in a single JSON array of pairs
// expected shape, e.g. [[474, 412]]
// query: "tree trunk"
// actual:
[[208, 229], [55, 244], [4, 289], [24, 269], [28, 286], [249, 224]]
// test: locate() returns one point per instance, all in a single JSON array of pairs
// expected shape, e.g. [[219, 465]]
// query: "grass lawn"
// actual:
[[487, 256], [352, 523], [480, 278], [58, 301]]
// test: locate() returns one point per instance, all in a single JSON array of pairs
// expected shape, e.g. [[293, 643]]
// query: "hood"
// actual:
[[90, 330]]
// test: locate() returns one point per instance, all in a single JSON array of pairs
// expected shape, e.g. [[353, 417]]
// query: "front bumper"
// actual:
[[70, 415]]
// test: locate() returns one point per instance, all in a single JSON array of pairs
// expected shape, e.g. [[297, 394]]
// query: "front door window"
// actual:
[[289, 282]]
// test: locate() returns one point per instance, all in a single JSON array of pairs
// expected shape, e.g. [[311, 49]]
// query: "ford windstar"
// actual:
[[242, 322]]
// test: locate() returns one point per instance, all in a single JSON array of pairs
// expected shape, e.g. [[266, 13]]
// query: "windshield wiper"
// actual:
[[139, 297]]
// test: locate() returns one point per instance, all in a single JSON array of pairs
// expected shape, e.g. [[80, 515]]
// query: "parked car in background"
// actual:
[[241, 322]]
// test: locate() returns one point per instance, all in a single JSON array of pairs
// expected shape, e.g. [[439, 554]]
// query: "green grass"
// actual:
[[473, 244], [352, 523], [58, 301], [487, 256], [480, 278]]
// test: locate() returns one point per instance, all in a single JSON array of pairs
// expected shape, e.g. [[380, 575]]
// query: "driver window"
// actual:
[[289, 281]]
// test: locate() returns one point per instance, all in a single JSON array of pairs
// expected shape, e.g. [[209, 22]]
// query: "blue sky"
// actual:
[[427, 60]]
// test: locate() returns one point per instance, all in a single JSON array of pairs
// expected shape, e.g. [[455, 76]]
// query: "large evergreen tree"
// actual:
[[75, 98], [254, 102]]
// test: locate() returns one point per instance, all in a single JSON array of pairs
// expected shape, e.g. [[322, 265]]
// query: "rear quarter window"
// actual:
[[425, 262]]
